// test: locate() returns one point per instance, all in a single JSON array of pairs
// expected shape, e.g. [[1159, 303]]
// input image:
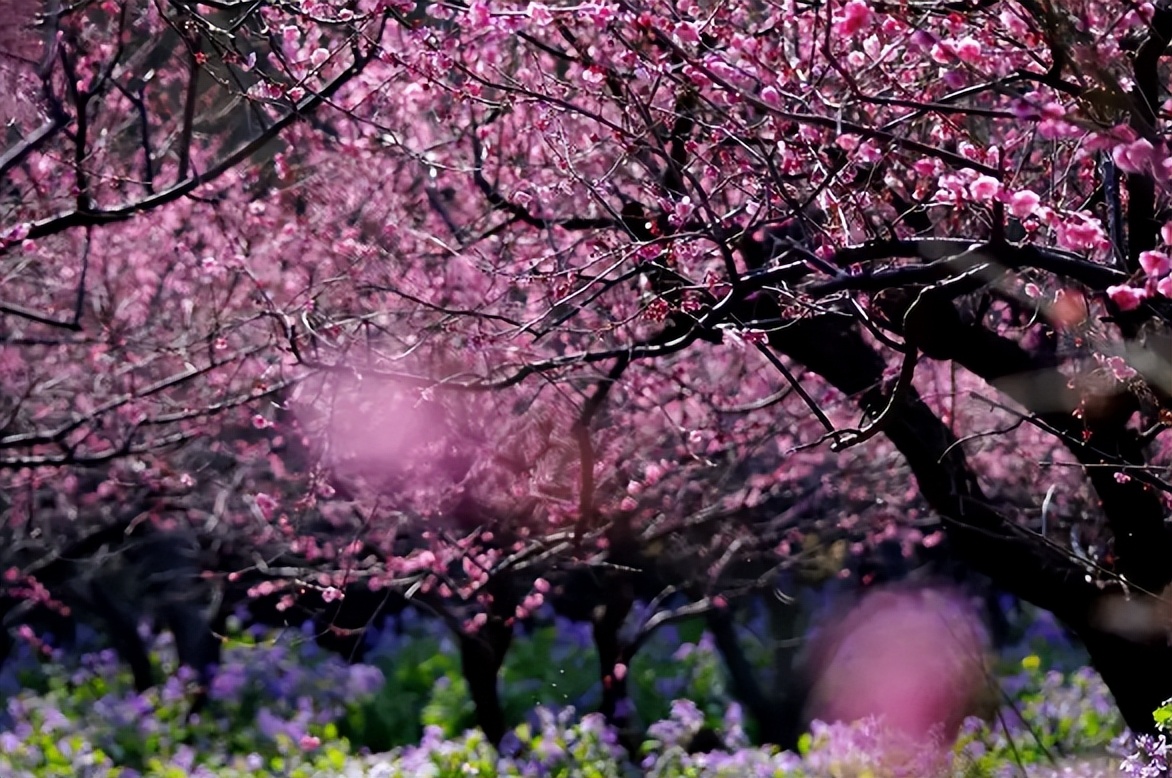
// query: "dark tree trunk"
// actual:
[[1138, 675], [778, 717], [123, 631], [609, 618], [481, 655]]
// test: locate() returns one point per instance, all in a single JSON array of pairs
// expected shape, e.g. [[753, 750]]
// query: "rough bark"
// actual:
[[778, 716], [481, 655], [1139, 675]]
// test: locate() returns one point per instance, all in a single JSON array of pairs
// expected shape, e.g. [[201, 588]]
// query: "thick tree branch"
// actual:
[[993, 543], [15, 155], [989, 541], [1142, 226], [581, 432], [947, 257], [193, 73], [1100, 441]]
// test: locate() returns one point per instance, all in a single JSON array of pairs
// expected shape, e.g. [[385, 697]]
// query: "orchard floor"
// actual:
[[281, 707]]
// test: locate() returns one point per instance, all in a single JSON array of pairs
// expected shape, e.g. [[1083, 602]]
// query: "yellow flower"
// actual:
[[1031, 662]]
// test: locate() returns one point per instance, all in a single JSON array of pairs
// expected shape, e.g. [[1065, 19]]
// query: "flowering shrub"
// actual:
[[1148, 757], [274, 704]]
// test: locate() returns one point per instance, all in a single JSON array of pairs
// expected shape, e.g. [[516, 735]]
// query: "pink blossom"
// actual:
[[686, 32], [933, 540], [1155, 263], [754, 337], [479, 16], [309, 742], [1052, 110], [1054, 129], [1119, 368], [1122, 477], [266, 90], [1127, 298], [953, 78], [1135, 157], [847, 142], [532, 602], [1083, 232], [1023, 203], [540, 14], [952, 187], [594, 75], [968, 50], [1011, 20], [681, 211], [620, 671], [380, 210], [266, 503], [925, 166], [15, 234], [600, 13], [1164, 287], [942, 53], [869, 152], [969, 151], [920, 40], [985, 188], [856, 15]]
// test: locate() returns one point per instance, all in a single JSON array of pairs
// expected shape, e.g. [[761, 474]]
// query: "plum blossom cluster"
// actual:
[[1157, 282], [488, 289]]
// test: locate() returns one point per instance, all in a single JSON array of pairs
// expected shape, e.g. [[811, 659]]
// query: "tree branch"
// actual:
[[76, 218]]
